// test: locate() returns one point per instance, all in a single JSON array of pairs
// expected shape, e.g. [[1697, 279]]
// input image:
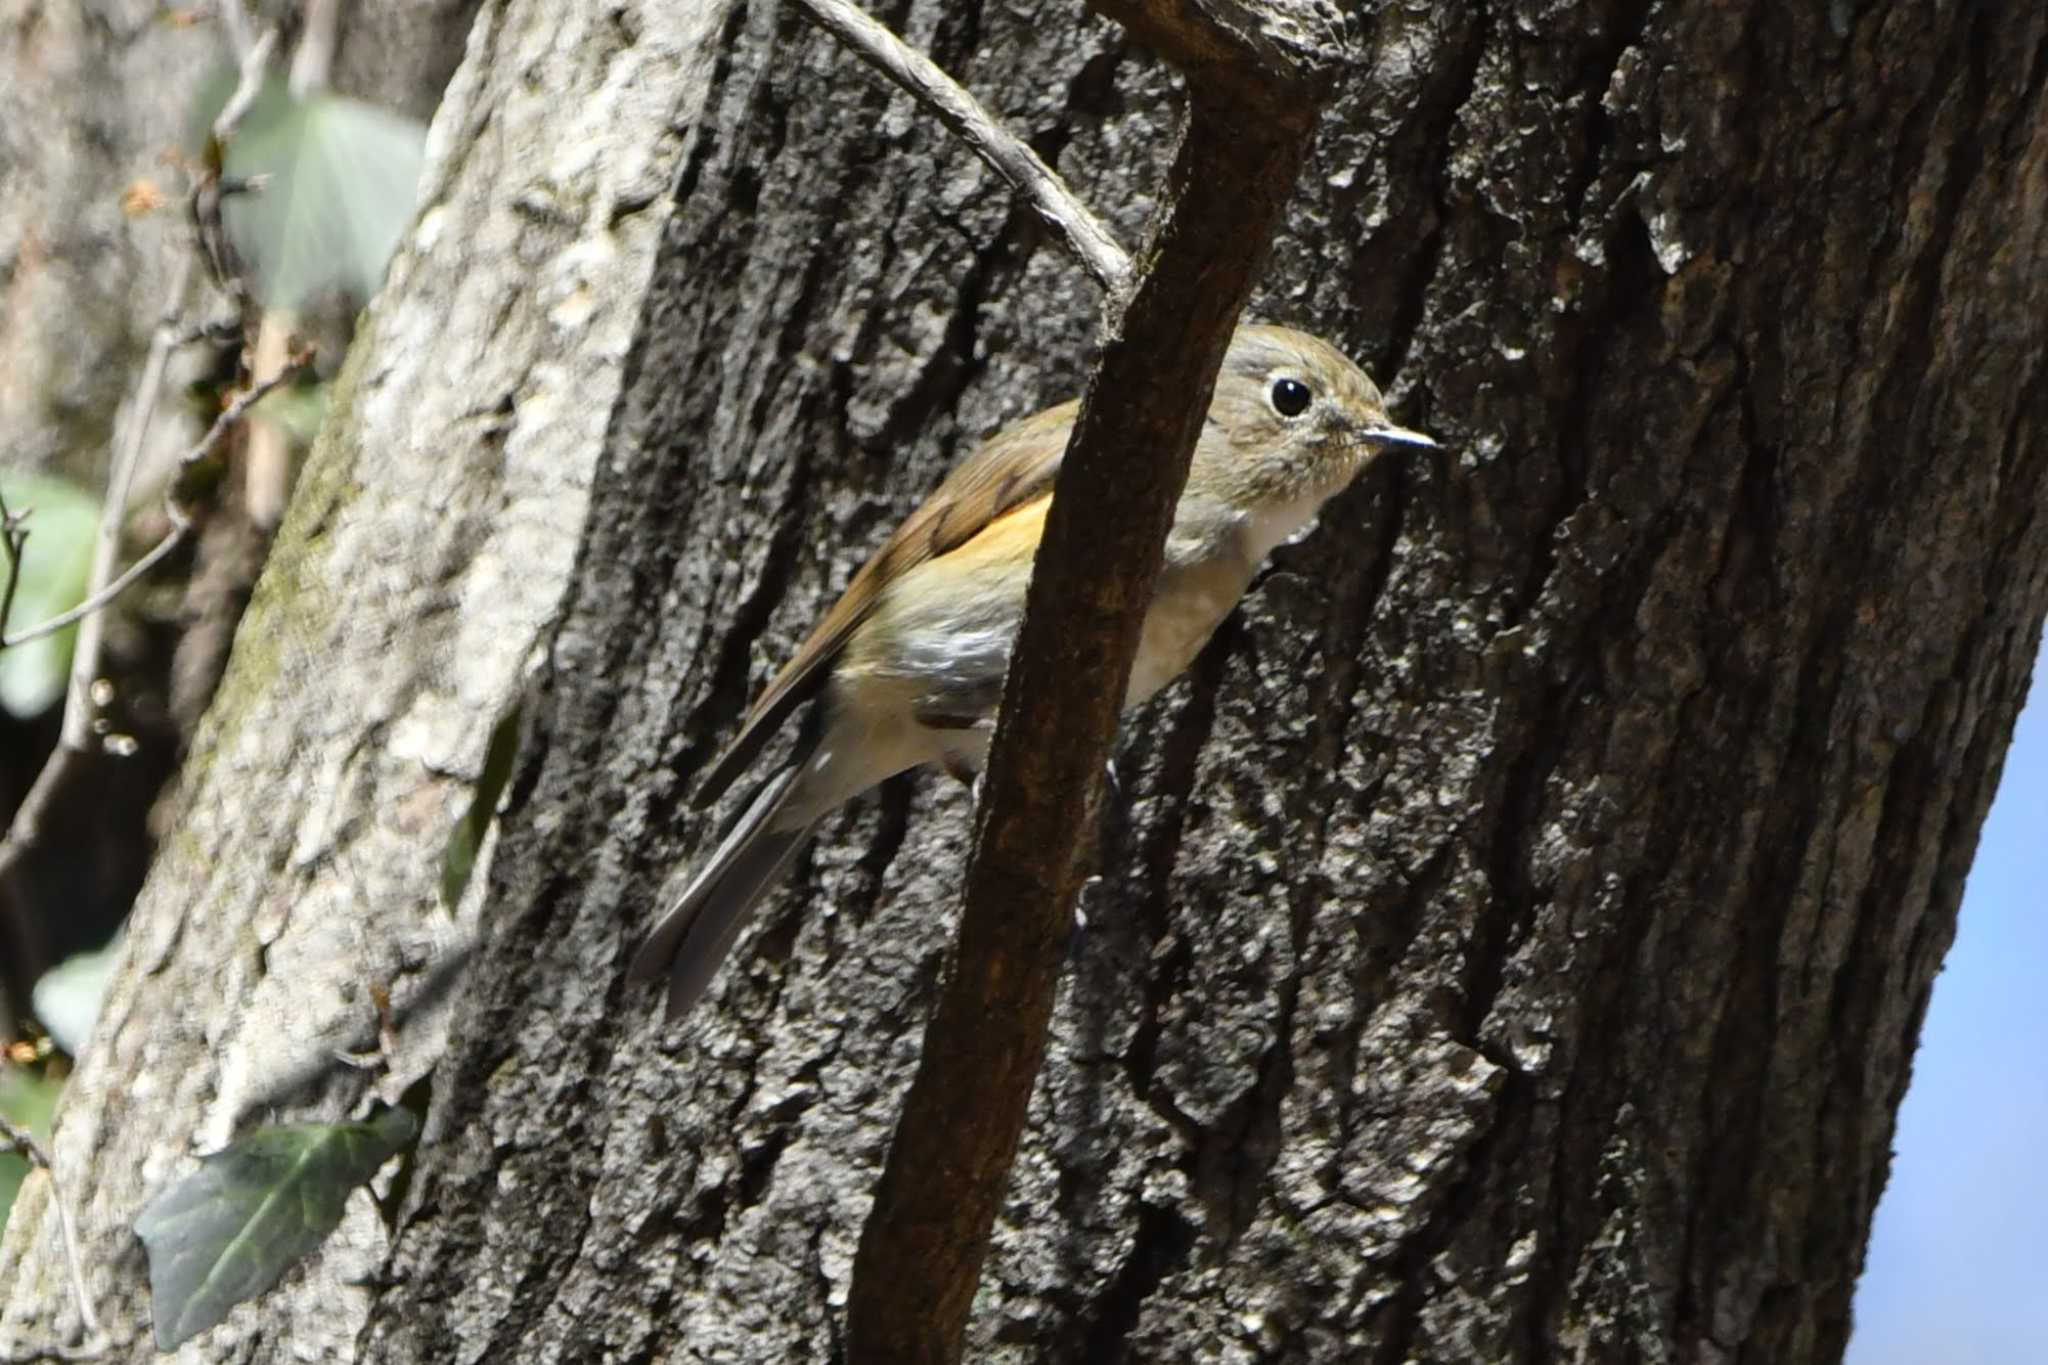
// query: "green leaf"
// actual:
[[56, 567], [468, 835], [67, 998], [341, 179], [29, 1099], [298, 408], [228, 1231]]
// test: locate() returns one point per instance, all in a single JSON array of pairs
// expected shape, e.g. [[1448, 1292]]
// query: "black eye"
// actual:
[[1290, 397]]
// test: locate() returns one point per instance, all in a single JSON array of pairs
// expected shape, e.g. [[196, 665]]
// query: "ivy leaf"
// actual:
[[56, 567], [67, 998], [339, 178], [229, 1230]]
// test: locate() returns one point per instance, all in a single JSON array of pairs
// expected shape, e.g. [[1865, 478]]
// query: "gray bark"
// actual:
[[1525, 911], [427, 541]]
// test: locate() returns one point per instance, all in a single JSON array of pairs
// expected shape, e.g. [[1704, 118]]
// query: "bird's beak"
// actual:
[[1401, 436]]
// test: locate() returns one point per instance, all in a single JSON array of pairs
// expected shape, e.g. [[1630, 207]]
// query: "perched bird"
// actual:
[[907, 668]]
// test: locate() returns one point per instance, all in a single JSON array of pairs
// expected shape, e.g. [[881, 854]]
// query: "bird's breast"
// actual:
[[1187, 606], [1276, 524], [947, 626]]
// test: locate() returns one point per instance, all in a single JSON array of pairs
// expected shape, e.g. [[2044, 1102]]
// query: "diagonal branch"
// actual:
[[180, 518], [75, 737], [74, 740], [1006, 154], [13, 540], [1251, 119]]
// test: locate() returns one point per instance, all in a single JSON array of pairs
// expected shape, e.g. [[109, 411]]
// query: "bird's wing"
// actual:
[[1013, 467]]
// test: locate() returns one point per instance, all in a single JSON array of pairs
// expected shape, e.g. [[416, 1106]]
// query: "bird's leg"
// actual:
[[961, 709], [959, 763], [1116, 809], [973, 709], [958, 704]]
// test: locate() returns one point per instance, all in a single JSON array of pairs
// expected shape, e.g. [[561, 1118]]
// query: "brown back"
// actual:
[[1010, 469]]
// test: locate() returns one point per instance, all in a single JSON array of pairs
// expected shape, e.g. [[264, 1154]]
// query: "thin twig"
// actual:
[[13, 540], [85, 654], [255, 59], [76, 733], [105, 584], [25, 830], [294, 365], [313, 59], [180, 517], [23, 1141], [1251, 117], [1006, 154], [74, 738], [241, 35], [266, 474], [172, 539], [215, 185], [267, 465]]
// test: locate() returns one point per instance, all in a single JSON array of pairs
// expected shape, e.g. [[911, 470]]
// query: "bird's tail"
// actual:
[[698, 929]]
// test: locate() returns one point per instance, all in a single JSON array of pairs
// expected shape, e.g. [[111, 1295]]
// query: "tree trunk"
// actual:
[[430, 537], [1515, 939]]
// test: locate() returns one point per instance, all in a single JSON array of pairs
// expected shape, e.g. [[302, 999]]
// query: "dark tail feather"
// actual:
[[698, 930]]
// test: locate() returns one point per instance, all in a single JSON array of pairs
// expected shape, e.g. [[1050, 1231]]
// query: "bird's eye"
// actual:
[[1290, 397]]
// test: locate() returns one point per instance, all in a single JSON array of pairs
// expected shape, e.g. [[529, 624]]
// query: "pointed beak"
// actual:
[[1401, 436]]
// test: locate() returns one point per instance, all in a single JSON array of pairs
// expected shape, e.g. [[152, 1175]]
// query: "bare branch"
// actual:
[[181, 519], [104, 584], [1249, 128], [74, 739], [13, 540], [214, 186], [266, 471], [241, 35], [23, 1141], [105, 595], [1006, 154], [255, 59], [294, 365], [75, 736], [313, 59], [85, 655], [25, 830]]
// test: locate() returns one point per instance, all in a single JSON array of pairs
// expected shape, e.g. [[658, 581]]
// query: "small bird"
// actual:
[[907, 667]]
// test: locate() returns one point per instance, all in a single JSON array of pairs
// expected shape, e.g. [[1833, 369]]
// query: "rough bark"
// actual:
[[1517, 936], [427, 542]]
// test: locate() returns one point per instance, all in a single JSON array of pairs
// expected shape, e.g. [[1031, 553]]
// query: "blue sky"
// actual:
[[1958, 1265]]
